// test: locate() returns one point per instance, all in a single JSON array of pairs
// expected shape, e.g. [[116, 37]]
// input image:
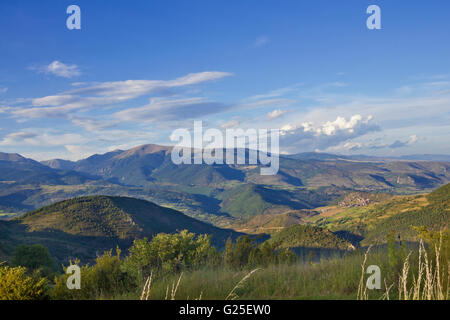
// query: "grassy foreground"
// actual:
[[154, 270]]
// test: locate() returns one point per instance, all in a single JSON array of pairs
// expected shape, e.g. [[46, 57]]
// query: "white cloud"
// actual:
[[3, 89], [413, 139], [80, 151], [60, 69], [309, 135], [108, 93], [275, 114], [230, 124], [30, 138], [92, 124], [352, 146], [170, 109], [375, 144], [129, 89]]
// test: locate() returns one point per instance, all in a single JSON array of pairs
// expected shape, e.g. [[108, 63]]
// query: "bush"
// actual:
[[15, 284], [247, 253], [104, 280], [169, 253]]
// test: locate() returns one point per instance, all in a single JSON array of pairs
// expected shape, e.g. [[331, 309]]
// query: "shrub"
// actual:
[[168, 253], [15, 284], [105, 279]]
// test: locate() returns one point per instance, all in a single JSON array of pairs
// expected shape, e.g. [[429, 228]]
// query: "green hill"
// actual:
[[87, 225], [305, 236], [249, 200], [435, 215], [105, 216], [393, 213]]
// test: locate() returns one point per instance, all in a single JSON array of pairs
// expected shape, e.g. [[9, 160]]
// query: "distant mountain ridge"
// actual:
[[213, 193], [361, 157]]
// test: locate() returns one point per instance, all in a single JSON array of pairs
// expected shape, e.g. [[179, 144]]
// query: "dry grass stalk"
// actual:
[[418, 282], [232, 295], [428, 272], [388, 289], [146, 290], [362, 289], [175, 287], [403, 280]]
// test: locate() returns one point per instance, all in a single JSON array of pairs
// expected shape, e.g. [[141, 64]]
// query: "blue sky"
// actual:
[[138, 70]]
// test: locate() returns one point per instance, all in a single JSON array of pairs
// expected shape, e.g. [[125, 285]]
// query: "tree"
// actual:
[[168, 253], [33, 257]]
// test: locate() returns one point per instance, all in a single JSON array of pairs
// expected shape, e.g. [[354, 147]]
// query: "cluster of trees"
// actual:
[[245, 252], [112, 275]]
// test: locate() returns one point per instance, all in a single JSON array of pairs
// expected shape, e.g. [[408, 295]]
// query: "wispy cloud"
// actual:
[[31, 138], [108, 93], [163, 109], [230, 124]]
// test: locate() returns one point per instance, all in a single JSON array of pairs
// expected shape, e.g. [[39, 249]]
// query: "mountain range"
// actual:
[[316, 200], [214, 193]]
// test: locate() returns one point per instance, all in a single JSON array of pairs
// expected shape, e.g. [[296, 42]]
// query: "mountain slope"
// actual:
[[148, 164], [304, 236], [119, 217], [249, 200], [375, 220], [59, 164], [15, 169], [82, 227]]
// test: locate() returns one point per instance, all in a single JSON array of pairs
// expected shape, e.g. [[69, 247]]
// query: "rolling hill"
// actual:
[[305, 236], [391, 213], [84, 226]]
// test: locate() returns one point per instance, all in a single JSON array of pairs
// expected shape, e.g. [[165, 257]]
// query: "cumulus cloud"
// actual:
[[310, 136], [60, 69]]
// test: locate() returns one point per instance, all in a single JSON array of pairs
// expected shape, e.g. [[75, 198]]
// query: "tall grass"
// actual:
[[424, 275], [431, 280], [337, 278]]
